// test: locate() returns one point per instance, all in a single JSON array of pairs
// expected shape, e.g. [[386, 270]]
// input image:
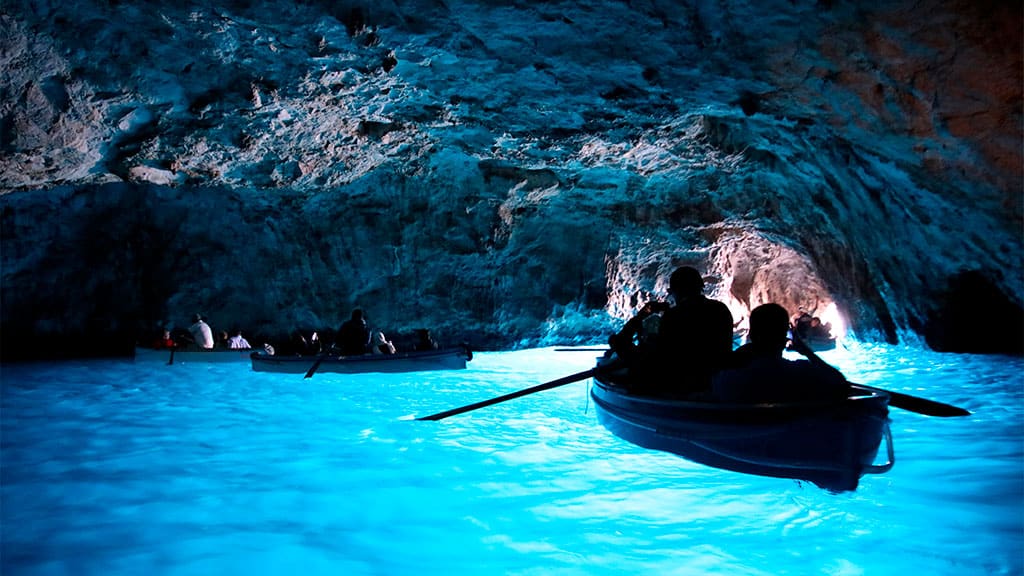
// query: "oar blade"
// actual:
[[312, 369], [925, 406], [896, 399], [919, 405]]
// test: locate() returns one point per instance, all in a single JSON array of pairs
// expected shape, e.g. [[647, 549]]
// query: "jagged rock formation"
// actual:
[[507, 172]]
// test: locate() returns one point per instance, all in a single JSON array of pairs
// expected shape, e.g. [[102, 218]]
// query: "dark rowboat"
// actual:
[[191, 355], [447, 359], [829, 443]]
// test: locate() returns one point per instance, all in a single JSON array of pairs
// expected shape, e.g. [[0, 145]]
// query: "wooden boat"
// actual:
[[829, 443], [446, 359], [191, 355]]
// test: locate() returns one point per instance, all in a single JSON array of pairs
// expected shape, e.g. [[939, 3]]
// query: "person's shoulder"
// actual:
[[716, 304], [742, 356], [671, 312]]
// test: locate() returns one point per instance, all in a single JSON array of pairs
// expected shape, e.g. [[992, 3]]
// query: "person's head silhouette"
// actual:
[[769, 324], [685, 282]]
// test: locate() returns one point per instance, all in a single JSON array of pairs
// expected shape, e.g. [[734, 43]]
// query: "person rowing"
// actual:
[[693, 340]]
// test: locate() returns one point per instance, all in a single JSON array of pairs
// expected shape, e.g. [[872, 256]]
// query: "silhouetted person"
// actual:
[[817, 330], [353, 336], [693, 339], [303, 345], [803, 324], [758, 373], [424, 341], [640, 332]]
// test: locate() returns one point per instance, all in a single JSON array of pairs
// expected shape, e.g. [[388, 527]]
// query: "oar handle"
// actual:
[[538, 388]]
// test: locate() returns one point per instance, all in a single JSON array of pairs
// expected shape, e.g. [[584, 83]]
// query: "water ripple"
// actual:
[[121, 468]]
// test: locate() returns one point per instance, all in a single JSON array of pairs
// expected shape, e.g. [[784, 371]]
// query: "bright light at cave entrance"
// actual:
[[831, 315]]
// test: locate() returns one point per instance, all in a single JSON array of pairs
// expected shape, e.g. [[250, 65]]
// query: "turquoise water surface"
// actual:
[[116, 467]]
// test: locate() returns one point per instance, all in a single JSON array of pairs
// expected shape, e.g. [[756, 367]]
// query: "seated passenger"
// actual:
[[381, 345], [305, 346], [817, 330], [164, 341], [237, 342], [693, 340], [354, 336], [424, 341], [803, 324], [202, 336], [758, 373]]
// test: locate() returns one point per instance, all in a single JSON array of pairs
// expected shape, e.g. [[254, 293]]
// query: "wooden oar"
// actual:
[[919, 405], [171, 359], [313, 368], [897, 399], [581, 349], [538, 388]]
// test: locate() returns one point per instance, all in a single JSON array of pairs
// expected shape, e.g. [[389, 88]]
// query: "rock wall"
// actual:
[[506, 173]]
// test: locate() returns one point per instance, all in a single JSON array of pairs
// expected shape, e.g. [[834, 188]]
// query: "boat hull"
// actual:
[[448, 359], [191, 355], [831, 444]]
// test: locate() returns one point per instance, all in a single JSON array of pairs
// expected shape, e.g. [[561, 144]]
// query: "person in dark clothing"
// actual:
[[641, 331], [695, 337], [692, 342], [353, 336], [818, 331], [802, 325], [424, 341], [758, 373], [303, 345]]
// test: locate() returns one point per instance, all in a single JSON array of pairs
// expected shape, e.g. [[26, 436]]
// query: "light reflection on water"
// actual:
[[110, 467]]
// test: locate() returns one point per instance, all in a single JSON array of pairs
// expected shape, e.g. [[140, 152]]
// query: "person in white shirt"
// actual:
[[201, 333], [237, 342]]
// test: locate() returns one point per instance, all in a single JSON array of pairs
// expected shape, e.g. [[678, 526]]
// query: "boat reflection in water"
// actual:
[[829, 443]]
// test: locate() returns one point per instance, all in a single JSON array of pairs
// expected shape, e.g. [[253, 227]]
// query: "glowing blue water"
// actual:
[[110, 467]]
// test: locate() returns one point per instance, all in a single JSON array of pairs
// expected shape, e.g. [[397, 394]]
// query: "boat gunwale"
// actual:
[[454, 358], [368, 357], [864, 398]]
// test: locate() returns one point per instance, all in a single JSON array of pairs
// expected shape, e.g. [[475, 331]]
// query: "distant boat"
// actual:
[[446, 359], [190, 354], [829, 443], [819, 344]]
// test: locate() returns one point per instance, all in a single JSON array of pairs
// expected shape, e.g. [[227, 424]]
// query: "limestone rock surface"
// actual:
[[507, 173]]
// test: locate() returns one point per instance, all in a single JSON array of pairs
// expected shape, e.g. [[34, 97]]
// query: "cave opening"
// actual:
[[975, 316]]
